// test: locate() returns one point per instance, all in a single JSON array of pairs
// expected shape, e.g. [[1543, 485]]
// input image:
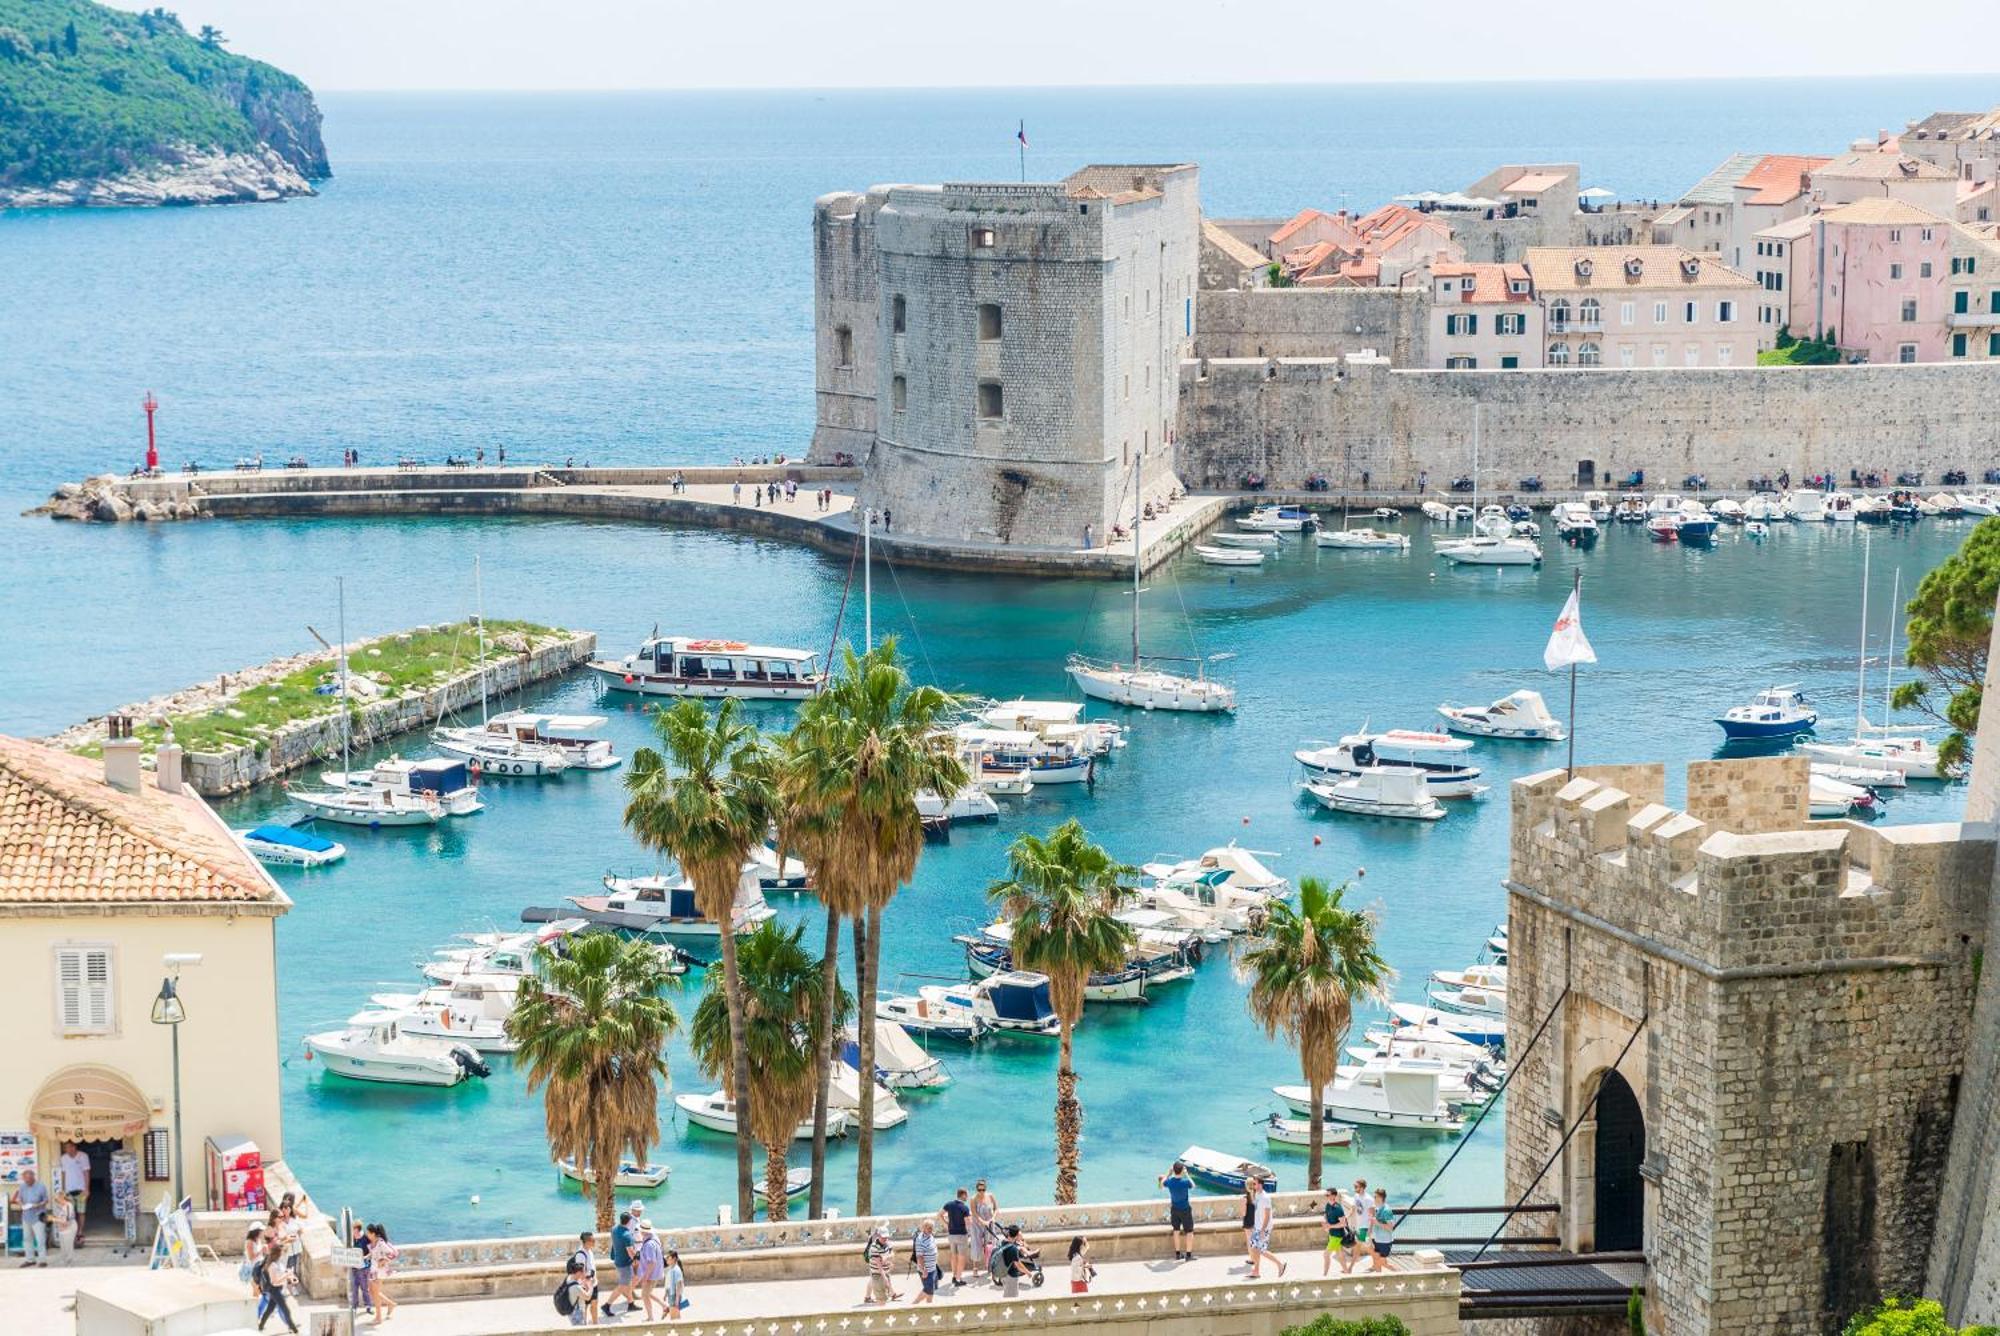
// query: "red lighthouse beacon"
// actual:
[[152, 450]]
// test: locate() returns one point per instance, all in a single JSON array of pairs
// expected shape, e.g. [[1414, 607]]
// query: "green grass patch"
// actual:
[[411, 661]]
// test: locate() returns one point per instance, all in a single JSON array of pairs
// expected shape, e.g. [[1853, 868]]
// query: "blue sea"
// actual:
[[626, 279]]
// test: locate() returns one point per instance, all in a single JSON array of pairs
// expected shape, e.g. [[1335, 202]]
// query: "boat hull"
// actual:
[[1754, 730], [616, 677], [370, 817], [1152, 691], [385, 1071]]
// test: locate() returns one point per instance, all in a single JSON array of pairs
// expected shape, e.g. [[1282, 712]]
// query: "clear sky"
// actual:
[[624, 44]]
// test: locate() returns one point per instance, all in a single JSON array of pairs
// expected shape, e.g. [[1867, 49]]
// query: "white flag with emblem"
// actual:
[[1566, 643]]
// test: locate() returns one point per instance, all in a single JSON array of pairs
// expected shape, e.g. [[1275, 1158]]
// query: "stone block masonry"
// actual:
[[1796, 997]]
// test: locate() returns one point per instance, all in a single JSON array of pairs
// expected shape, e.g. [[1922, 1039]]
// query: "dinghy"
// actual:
[[1282, 1131], [1229, 1173], [1228, 556], [1238, 538]]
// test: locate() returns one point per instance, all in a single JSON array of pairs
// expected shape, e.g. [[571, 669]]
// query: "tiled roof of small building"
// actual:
[[66, 836], [1879, 209], [1778, 178], [1879, 166], [1490, 282], [1555, 268]]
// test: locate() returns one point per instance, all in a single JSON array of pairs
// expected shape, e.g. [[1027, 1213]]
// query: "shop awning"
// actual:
[[88, 1103]]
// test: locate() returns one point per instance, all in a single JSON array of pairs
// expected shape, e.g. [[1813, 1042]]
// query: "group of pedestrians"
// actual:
[[649, 1275], [1358, 1226]]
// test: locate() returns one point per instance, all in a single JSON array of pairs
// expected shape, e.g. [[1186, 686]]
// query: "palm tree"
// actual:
[[1062, 896], [591, 1027], [863, 748], [782, 1005], [708, 811], [1306, 970]]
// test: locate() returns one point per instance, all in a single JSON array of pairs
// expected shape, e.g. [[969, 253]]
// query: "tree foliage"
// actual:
[[1906, 1317], [1950, 626], [1326, 1324], [88, 91]]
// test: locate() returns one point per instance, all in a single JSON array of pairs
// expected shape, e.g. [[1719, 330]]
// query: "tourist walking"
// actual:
[[624, 1252], [1339, 1239], [272, 1277], [649, 1269], [359, 1277], [30, 1201], [1080, 1269], [1250, 1222], [382, 1256], [955, 1214], [253, 1253], [1260, 1230], [676, 1286], [63, 1225], [984, 1237], [289, 1243], [1180, 1210], [1010, 1262], [924, 1257], [880, 1258], [1384, 1229], [1360, 1210], [75, 1175], [581, 1272], [736, 492]]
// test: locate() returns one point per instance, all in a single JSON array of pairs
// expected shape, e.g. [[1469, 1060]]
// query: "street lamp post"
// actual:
[[169, 1011]]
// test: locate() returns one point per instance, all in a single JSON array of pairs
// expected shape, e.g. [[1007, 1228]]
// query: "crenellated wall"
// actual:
[[1795, 996]]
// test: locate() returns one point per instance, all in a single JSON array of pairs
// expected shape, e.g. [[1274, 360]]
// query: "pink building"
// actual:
[[1876, 273]]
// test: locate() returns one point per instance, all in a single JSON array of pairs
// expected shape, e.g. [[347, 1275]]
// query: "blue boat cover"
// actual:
[[1020, 1002], [291, 837], [434, 778]]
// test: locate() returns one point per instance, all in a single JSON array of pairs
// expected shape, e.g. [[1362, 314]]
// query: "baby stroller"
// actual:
[[1031, 1265]]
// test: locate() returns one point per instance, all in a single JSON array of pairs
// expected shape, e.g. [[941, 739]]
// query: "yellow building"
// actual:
[[111, 882]]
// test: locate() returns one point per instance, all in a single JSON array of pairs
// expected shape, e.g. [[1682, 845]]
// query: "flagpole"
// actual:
[[1575, 591], [1021, 140]]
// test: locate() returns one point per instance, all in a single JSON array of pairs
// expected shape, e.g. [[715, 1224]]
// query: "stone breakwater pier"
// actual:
[[253, 753], [715, 498]]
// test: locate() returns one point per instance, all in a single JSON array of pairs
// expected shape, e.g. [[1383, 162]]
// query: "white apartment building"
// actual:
[[1644, 306]]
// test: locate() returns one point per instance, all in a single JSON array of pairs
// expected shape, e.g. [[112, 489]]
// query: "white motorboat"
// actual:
[[1457, 1083], [1282, 1131], [989, 953], [1912, 756], [511, 957], [369, 807], [900, 1062], [1728, 510], [1866, 777], [1362, 540], [1228, 556], [1574, 522], [844, 1094], [1278, 519], [940, 1012], [1010, 784], [1630, 510], [1016, 1001], [569, 733], [1461, 514], [1765, 507], [1830, 798], [1406, 1096], [1490, 1031], [1491, 977], [1379, 792], [373, 1047], [1839, 508], [1223, 1171], [1471, 1000], [664, 905], [631, 1174], [1598, 504], [716, 1112], [797, 1183], [1261, 538], [470, 1012], [1387, 514], [791, 875], [289, 846], [499, 753], [1493, 522], [446, 778], [1058, 720], [1242, 868], [1871, 509], [687, 666], [1665, 503], [1483, 551], [1520, 715], [1021, 751], [1979, 503], [1757, 530], [971, 803], [1439, 757], [1431, 1041], [1437, 512], [1808, 506]]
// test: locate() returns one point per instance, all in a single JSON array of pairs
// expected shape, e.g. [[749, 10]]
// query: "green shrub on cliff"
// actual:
[[87, 91], [1326, 1324], [1902, 1317]]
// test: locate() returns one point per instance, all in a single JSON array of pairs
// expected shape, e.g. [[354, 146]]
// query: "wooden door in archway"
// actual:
[[1621, 1148]]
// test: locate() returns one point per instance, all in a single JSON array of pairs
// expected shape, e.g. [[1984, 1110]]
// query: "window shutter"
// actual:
[[69, 989], [97, 989], [83, 989]]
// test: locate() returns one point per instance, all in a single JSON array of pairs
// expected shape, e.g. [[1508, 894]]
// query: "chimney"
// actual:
[[121, 755], [1881, 137], [167, 767]]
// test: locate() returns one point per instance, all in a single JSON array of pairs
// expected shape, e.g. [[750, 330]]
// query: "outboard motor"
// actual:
[[469, 1061]]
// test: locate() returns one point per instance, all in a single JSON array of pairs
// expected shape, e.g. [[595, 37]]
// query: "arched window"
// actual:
[[1588, 354], [1559, 314], [1558, 354], [1588, 313]]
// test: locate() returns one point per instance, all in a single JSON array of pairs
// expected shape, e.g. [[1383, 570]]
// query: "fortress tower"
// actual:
[[1001, 356], [1757, 1030]]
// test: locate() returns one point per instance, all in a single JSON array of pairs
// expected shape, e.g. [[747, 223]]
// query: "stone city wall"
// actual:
[[1313, 322], [1801, 991], [1289, 419]]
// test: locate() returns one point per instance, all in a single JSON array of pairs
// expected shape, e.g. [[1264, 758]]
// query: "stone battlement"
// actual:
[[1743, 881]]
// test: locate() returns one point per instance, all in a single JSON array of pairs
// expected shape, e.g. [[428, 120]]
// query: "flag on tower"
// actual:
[[1567, 646]]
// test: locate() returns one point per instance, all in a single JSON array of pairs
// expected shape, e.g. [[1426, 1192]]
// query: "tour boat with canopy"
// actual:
[[686, 666]]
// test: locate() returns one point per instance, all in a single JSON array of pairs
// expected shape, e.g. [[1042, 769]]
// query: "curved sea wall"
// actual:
[[1289, 419]]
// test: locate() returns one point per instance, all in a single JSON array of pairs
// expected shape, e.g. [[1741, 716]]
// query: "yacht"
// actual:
[[1242, 871], [374, 1047], [663, 905], [500, 962], [1574, 523], [564, 734], [1058, 720], [471, 1011], [447, 779], [1780, 712], [989, 953], [290, 847], [1438, 757], [684, 666], [1016, 1001], [1379, 792], [717, 1112], [1521, 715], [1406, 1096], [1484, 551], [1278, 519], [372, 807]]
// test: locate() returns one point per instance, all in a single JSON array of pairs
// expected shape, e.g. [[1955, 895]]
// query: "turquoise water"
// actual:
[[626, 279]]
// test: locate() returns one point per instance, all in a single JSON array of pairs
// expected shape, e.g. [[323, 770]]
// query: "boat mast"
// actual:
[[1861, 668], [867, 579], [1138, 509], [479, 613], [1889, 661], [346, 719]]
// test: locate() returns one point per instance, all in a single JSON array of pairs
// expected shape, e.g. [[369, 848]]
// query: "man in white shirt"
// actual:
[[74, 1172]]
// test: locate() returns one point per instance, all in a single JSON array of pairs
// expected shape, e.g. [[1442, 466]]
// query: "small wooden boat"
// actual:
[[1229, 1173], [797, 1181], [1282, 1131], [645, 1177], [1239, 538], [1362, 540], [1229, 556]]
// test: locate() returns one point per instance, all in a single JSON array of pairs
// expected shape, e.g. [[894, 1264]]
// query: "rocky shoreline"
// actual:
[[189, 176], [105, 499]]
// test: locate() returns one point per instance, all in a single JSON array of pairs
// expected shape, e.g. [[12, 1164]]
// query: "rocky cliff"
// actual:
[[103, 107]]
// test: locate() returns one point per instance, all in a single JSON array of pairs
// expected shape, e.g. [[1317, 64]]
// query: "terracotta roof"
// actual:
[[1789, 230], [1299, 221], [1879, 166], [1239, 252], [1534, 183], [1555, 269], [1491, 283], [1879, 209], [1778, 178], [68, 837]]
